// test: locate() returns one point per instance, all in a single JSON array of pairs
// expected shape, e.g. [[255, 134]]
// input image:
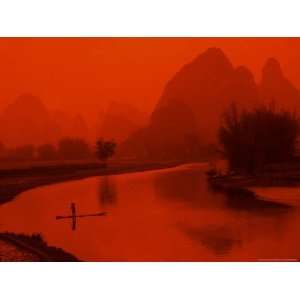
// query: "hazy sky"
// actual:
[[79, 74]]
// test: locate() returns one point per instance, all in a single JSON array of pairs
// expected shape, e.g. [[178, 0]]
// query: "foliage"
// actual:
[[105, 149], [251, 139]]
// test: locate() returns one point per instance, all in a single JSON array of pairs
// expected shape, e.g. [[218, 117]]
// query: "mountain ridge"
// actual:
[[207, 85]]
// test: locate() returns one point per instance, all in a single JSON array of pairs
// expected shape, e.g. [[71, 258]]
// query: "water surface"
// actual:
[[162, 215]]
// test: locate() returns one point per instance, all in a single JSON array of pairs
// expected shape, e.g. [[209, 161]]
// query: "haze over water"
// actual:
[[162, 215]]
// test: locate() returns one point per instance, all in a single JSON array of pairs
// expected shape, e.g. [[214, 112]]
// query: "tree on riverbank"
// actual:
[[252, 139], [105, 149]]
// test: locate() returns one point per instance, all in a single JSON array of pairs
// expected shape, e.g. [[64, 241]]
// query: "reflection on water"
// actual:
[[251, 204], [220, 240], [183, 186], [163, 215], [107, 191]]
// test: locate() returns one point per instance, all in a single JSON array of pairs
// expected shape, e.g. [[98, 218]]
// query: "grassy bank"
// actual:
[[14, 180], [19, 247]]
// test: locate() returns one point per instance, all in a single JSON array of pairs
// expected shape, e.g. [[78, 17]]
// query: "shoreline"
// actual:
[[20, 247], [31, 248], [16, 181], [256, 186]]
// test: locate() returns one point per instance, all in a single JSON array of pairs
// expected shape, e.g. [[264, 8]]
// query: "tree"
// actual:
[[252, 139], [25, 152], [73, 148], [105, 149], [46, 152]]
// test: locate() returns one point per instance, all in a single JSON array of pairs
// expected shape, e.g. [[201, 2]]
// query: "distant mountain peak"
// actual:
[[213, 56], [244, 71], [214, 51], [205, 87], [26, 104], [276, 87], [28, 99], [272, 69]]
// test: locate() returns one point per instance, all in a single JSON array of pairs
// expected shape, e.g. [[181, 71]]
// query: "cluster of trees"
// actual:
[[252, 139], [25, 152], [105, 149], [66, 149]]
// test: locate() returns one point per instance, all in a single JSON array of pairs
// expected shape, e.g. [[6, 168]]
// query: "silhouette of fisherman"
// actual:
[[74, 216], [73, 211]]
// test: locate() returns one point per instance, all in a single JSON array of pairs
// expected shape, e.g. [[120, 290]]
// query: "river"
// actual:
[[161, 215]]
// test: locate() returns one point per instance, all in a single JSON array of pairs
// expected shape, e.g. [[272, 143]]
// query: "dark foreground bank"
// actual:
[[19, 247]]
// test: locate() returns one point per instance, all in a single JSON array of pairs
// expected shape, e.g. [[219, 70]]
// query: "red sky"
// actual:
[[80, 74]]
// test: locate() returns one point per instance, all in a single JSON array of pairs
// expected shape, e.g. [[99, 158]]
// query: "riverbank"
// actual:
[[16, 180], [277, 183], [19, 247], [280, 194]]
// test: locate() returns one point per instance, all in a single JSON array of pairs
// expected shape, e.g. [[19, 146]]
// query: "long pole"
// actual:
[[73, 210], [82, 216]]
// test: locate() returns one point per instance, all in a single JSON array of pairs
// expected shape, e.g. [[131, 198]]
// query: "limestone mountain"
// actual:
[[71, 125], [120, 121], [192, 104], [27, 121], [160, 139], [275, 87], [207, 85]]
